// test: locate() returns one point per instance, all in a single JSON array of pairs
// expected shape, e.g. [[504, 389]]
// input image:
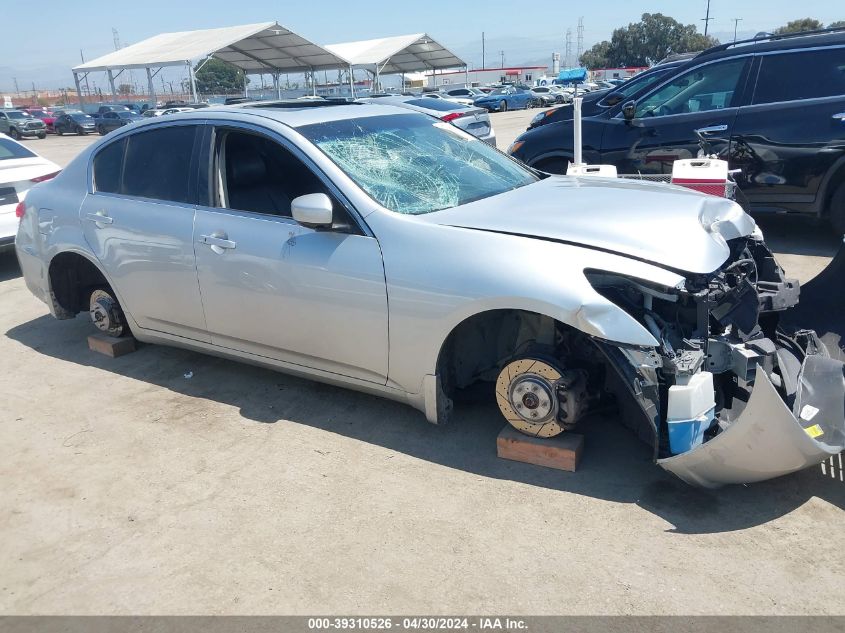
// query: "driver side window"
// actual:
[[255, 173], [710, 87]]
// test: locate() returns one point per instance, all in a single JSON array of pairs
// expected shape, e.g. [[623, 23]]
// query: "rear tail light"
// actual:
[[452, 116], [46, 177], [20, 210]]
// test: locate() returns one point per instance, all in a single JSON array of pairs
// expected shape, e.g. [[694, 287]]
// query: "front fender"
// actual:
[[438, 276]]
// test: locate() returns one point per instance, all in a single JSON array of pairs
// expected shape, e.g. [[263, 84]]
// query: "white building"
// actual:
[[485, 76]]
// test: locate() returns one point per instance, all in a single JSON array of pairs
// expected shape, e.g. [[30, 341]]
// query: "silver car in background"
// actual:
[[474, 120], [387, 251]]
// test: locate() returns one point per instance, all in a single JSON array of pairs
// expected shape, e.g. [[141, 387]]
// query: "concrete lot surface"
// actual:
[[169, 482]]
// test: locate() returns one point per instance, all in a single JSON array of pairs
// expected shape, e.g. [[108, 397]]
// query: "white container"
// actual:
[[608, 171], [690, 412], [699, 170]]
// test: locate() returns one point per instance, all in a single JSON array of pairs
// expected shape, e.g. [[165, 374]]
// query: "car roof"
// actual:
[[767, 43], [291, 116]]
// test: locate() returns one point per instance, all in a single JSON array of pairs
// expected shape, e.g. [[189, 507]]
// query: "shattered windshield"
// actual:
[[413, 164]]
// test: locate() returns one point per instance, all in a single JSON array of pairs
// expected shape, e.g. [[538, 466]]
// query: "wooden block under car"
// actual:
[[111, 346], [562, 451]]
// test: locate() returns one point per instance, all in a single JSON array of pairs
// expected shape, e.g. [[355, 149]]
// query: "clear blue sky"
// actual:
[[526, 31]]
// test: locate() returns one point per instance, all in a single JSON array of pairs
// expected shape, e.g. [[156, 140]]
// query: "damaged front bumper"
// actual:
[[767, 440], [779, 375]]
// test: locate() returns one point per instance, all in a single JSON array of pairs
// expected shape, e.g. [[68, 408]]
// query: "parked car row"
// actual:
[[773, 108]]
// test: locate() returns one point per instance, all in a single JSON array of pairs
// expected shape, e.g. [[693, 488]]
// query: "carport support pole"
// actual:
[[111, 83], [193, 80], [150, 88], [351, 82], [79, 92], [313, 83], [277, 85], [577, 125]]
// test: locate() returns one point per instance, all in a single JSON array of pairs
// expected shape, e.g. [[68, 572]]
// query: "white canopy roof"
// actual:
[[254, 48], [403, 53]]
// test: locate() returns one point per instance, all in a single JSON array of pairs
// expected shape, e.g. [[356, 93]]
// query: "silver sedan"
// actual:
[[382, 250]]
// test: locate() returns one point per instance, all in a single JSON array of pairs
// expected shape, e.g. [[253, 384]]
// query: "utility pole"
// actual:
[[502, 53], [568, 58], [483, 45], [707, 19], [736, 24], [17, 90]]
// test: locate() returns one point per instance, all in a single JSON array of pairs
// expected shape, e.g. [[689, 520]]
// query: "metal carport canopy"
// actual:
[[254, 48], [399, 54]]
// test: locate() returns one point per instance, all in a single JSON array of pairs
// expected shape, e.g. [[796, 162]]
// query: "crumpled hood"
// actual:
[[669, 226]]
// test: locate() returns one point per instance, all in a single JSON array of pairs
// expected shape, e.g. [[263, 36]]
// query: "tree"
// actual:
[[597, 56], [124, 89], [218, 77], [646, 42], [796, 26], [836, 25]]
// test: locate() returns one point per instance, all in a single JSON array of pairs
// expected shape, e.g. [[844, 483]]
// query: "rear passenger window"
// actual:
[[108, 163], [158, 164], [797, 76]]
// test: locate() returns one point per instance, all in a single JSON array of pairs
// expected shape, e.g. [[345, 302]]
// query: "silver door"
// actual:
[[274, 288], [146, 248]]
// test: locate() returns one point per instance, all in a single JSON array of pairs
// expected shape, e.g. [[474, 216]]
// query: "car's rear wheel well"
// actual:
[[72, 279]]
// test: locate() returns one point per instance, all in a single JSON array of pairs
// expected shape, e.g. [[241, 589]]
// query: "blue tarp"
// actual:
[[573, 75]]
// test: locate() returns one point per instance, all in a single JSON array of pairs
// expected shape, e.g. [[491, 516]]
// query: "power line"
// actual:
[[580, 41]]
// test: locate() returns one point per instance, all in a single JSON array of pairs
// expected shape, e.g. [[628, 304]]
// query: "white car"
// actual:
[[20, 169], [436, 95]]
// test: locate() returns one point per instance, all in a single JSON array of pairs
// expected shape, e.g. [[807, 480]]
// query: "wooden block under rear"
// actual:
[[111, 346], [562, 451]]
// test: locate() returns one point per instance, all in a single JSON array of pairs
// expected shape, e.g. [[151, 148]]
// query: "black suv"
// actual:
[[773, 107], [595, 103]]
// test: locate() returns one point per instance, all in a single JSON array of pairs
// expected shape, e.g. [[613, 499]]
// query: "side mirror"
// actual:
[[629, 110], [312, 210], [613, 98]]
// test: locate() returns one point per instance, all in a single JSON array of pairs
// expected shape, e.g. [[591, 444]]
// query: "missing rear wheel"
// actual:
[[106, 313]]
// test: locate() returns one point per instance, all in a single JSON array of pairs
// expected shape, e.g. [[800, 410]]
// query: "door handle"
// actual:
[[99, 218], [712, 129], [218, 242]]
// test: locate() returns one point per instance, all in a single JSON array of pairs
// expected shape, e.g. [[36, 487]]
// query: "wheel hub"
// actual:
[[526, 395], [105, 313]]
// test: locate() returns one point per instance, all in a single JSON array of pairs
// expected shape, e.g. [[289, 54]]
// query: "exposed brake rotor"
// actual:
[[106, 313], [538, 398]]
